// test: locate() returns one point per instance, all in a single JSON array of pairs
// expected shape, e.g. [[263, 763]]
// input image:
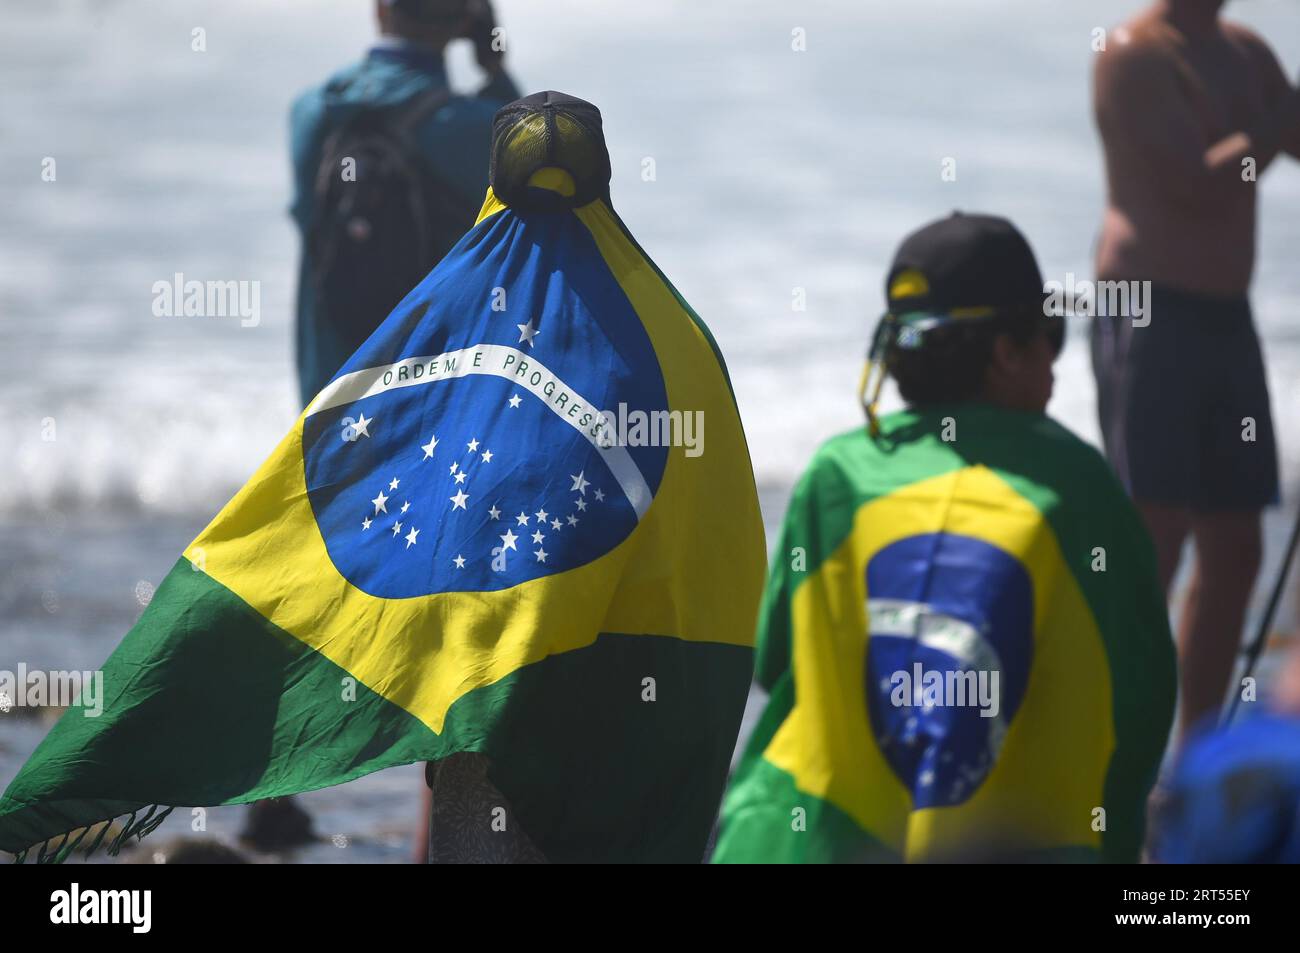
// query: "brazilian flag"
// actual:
[[499, 530], [966, 649]]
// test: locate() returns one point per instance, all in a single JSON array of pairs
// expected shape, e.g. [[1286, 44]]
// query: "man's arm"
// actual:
[[500, 88], [490, 52], [1141, 110], [305, 141], [1276, 86]]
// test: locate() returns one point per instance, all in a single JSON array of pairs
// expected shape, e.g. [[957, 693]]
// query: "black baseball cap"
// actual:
[[549, 130], [964, 266]]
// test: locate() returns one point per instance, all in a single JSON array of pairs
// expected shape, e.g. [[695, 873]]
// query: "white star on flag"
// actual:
[[579, 483], [508, 541], [527, 332], [428, 447], [454, 467], [459, 561], [514, 401], [460, 477], [365, 524], [406, 506], [393, 484], [538, 537], [541, 555], [359, 428], [397, 528], [487, 456], [541, 515], [600, 496], [582, 504], [556, 524], [573, 520], [494, 512], [458, 501], [381, 503], [410, 537], [522, 519], [472, 445]]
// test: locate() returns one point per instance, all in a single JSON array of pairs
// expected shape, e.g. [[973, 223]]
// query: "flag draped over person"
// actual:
[[499, 530], [966, 649]]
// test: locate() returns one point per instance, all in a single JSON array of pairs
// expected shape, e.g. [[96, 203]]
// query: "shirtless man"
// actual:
[[1191, 109]]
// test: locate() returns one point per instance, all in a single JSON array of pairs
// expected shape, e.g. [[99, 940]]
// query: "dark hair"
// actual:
[[438, 12], [949, 365], [435, 22]]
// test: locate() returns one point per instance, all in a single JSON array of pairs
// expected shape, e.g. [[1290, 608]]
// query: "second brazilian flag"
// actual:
[[968, 548]]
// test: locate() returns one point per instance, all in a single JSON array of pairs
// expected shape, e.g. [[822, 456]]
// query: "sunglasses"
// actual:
[[906, 331]]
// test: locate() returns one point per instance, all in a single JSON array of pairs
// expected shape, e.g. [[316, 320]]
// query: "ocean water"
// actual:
[[776, 174]]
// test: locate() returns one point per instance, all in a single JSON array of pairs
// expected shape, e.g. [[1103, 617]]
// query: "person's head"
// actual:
[[965, 318], [432, 22], [1203, 7], [1007, 364], [1193, 14]]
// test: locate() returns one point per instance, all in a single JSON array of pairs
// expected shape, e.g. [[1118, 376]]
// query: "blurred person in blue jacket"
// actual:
[[1234, 795], [389, 169]]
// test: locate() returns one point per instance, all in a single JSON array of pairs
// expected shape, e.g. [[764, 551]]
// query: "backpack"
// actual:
[[377, 235]]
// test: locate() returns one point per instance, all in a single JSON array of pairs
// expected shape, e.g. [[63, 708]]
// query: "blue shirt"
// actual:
[[1234, 796], [454, 139]]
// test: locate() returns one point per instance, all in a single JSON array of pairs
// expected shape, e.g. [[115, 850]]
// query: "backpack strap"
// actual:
[[406, 118], [399, 122]]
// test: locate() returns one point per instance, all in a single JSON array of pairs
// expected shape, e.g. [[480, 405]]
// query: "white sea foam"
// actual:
[[775, 170]]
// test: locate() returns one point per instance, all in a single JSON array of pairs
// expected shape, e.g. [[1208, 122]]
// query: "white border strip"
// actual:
[[497, 360]]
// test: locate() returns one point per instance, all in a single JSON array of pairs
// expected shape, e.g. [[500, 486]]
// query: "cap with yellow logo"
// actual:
[[964, 266]]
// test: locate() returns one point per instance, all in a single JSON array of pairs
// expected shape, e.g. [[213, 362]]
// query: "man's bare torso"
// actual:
[[1210, 86]]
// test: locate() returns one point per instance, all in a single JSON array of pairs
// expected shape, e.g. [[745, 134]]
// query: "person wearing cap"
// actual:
[[963, 635], [603, 618], [400, 74], [1192, 109]]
